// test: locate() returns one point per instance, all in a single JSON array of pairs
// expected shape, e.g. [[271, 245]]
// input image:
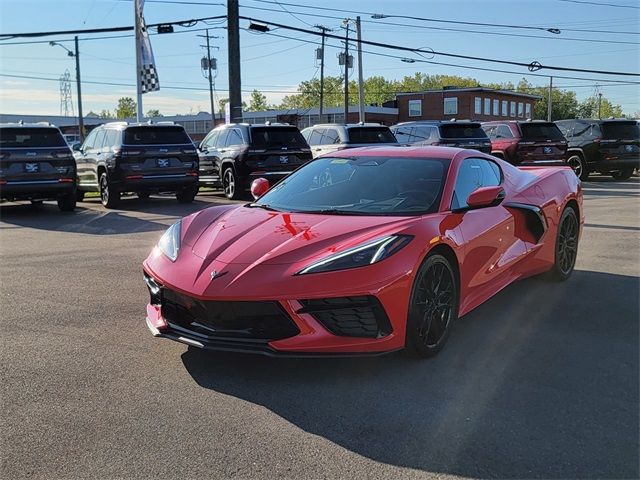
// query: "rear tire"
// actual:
[[143, 195], [579, 166], [230, 184], [187, 195], [109, 197], [37, 203], [566, 246], [621, 175], [433, 307], [67, 203], [79, 196]]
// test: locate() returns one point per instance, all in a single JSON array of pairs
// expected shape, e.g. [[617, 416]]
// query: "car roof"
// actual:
[[125, 125], [28, 125], [405, 152], [348, 125], [438, 122]]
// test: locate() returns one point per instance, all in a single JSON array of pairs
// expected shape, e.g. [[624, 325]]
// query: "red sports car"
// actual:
[[365, 251]]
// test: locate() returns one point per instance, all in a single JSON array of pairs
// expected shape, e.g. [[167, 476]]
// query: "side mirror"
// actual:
[[76, 147], [486, 197], [259, 187]]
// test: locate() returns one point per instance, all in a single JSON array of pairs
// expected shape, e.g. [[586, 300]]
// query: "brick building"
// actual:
[[481, 104]]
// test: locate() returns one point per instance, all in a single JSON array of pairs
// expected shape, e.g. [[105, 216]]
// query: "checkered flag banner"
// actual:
[[148, 75]]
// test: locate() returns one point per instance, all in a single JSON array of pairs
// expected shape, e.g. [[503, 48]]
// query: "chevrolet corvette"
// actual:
[[365, 251]]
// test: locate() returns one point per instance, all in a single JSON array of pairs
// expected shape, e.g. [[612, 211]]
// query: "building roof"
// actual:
[[472, 89]]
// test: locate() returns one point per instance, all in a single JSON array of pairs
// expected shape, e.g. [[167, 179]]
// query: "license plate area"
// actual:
[[30, 167], [163, 162]]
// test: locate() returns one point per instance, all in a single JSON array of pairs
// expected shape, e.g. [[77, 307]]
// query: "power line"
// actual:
[[534, 66], [600, 4]]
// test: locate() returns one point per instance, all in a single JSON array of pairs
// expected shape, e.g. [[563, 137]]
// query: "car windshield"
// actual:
[[156, 136], [620, 130], [371, 135], [31, 137], [268, 137], [471, 130], [541, 131], [361, 186]]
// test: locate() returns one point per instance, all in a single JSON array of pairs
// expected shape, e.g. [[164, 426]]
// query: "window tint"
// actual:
[[371, 135], [110, 138], [546, 131], [620, 130], [330, 137], [221, 141], [211, 139], [403, 134], [277, 137], [156, 136], [234, 138], [31, 137], [98, 142], [472, 130], [473, 174], [490, 130], [306, 133], [566, 128], [503, 131], [316, 136], [423, 134], [88, 142]]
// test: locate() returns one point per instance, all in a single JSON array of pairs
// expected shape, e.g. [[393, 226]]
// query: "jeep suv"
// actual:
[[330, 137], [527, 142], [445, 134], [233, 155], [142, 158], [605, 146], [36, 164]]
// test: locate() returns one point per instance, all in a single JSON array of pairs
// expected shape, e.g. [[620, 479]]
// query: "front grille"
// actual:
[[361, 316], [264, 321]]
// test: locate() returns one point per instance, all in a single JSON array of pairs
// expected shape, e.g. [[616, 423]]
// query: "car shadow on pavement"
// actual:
[[539, 382]]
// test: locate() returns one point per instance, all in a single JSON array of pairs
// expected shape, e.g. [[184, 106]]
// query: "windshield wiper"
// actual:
[[264, 206]]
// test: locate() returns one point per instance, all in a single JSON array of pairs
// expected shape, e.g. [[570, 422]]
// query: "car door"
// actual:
[[491, 246], [208, 154], [315, 141], [94, 157], [81, 158]]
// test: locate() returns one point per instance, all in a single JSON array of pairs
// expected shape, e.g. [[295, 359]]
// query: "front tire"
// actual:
[[566, 246], [579, 166], [109, 197], [621, 175], [433, 307], [230, 184], [67, 203]]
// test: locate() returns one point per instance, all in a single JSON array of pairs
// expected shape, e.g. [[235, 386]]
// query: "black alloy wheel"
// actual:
[[579, 166], [566, 245], [230, 184], [433, 307], [79, 196], [108, 196], [187, 195], [67, 203], [143, 195]]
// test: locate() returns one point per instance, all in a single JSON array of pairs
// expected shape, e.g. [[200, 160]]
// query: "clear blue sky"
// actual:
[[276, 65]]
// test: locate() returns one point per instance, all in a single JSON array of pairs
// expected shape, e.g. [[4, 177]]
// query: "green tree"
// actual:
[[221, 103], [258, 102], [564, 103], [154, 112], [588, 108], [126, 108], [105, 114]]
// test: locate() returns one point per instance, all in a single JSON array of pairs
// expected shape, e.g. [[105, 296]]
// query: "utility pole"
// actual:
[[210, 66], [80, 117], [235, 92], [346, 74], [599, 106], [139, 115], [360, 79], [549, 99], [324, 30]]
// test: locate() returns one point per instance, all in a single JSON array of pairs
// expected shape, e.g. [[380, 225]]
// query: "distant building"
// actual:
[[481, 104]]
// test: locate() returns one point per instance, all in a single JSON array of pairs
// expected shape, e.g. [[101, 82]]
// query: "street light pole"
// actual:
[[360, 79], [346, 75], [78, 83]]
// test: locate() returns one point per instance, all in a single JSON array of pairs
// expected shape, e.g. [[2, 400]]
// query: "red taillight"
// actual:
[[65, 180], [192, 174], [131, 153], [134, 177], [3, 182]]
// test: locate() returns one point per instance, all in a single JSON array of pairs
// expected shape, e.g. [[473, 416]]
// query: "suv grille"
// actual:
[[264, 321], [361, 316]]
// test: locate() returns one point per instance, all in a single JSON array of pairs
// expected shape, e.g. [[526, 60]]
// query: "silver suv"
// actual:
[[329, 137]]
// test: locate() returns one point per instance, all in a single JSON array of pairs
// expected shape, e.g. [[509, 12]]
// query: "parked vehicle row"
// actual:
[[36, 163]]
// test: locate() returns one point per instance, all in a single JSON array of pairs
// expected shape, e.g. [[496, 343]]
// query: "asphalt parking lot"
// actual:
[[540, 382]]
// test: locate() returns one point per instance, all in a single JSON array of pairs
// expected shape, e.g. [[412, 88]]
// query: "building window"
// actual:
[[496, 107], [478, 107], [512, 109], [520, 109], [415, 108], [451, 106], [487, 106], [528, 110], [505, 107]]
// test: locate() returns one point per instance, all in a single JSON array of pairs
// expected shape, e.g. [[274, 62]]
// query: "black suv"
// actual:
[[233, 155], [36, 164], [605, 146], [325, 138], [445, 134], [142, 158]]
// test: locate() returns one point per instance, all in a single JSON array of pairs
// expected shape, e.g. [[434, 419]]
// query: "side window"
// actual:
[[503, 131], [316, 137], [221, 139], [421, 134], [403, 134], [235, 138], [490, 130], [110, 138], [306, 133], [330, 137], [566, 129], [473, 174], [211, 139], [582, 129], [97, 144], [88, 142]]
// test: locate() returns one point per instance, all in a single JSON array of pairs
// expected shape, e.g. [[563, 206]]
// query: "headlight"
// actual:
[[360, 256], [169, 243]]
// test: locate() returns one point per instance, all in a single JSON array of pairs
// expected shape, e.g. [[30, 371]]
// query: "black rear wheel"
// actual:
[[566, 246], [143, 195], [79, 195], [433, 307], [109, 197], [579, 166], [187, 195], [67, 203], [622, 174]]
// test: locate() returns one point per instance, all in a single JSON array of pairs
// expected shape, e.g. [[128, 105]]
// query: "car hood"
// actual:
[[251, 236]]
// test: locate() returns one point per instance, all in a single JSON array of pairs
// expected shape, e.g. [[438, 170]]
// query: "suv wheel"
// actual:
[[230, 184], [67, 203], [79, 195], [187, 195], [579, 166], [108, 196], [622, 174]]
